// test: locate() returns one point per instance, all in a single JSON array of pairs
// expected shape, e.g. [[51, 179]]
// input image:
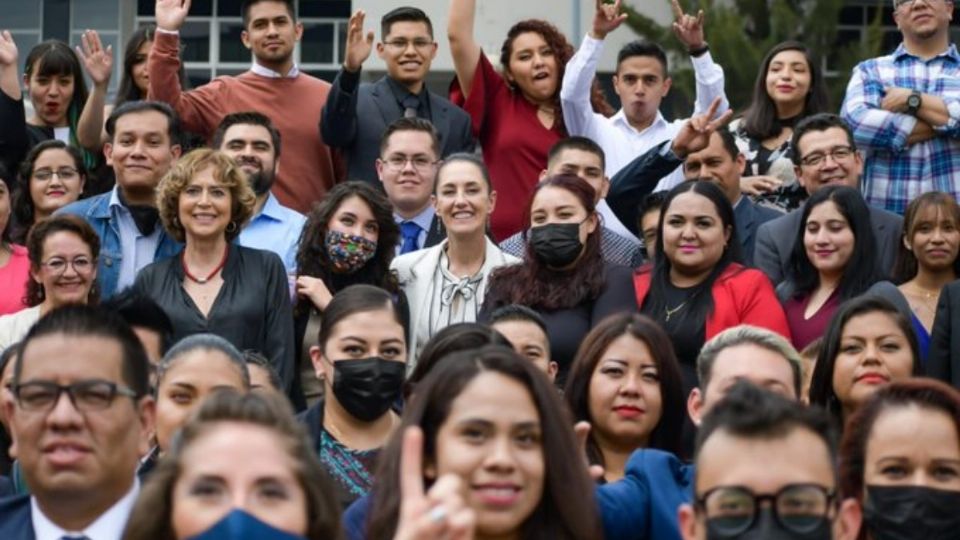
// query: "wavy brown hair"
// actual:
[[151, 515], [312, 257], [539, 287], [225, 172], [563, 51], [38, 236]]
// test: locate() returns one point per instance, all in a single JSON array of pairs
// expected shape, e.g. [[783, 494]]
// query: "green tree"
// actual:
[[740, 32]]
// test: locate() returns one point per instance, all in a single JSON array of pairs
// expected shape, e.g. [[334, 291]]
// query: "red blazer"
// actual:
[[740, 296]]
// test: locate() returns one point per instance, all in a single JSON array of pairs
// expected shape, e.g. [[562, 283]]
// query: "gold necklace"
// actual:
[[670, 312]]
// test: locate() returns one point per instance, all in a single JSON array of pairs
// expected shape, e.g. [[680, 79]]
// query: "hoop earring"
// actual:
[[232, 227]]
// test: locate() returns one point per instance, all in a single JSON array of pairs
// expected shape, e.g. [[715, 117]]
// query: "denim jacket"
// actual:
[[96, 211]]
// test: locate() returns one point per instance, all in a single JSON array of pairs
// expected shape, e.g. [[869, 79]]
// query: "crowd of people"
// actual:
[[505, 312]]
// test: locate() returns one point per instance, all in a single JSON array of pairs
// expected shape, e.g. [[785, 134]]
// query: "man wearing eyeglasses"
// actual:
[[824, 153], [904, 109], [766, 469], [79, 427], [356, 114], [407, 167], [643, 505]]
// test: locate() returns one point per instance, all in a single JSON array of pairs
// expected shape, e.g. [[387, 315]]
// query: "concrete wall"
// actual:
[[495, 17]]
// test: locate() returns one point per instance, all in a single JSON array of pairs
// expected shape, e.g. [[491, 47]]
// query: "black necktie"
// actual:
[[411, 104]]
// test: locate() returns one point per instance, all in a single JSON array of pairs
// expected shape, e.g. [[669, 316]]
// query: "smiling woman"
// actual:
[[63, 254], [215, 286], [446, 284], [51, 177]]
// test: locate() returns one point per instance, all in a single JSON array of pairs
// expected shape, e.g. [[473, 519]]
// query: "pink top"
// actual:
[[13, 281], [514, 141]]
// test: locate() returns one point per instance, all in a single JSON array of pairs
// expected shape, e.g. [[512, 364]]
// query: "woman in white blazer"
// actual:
[[445, 284]]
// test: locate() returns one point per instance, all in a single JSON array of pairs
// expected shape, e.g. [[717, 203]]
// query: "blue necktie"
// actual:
[[410, 232]]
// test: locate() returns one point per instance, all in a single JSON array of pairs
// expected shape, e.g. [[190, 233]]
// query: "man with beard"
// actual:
[[254, 143]]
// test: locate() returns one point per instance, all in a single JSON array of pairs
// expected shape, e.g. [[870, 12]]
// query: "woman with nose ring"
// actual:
[[446, 284], [215, 286], [831, 262]]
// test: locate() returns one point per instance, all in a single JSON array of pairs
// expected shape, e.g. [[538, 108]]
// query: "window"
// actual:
[[211, 37]]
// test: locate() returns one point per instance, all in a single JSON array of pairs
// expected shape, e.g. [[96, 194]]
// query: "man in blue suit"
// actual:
[[79, 427], [356, 115]]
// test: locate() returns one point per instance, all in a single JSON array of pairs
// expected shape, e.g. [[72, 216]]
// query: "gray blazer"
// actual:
[[775, 242], [354, 122]]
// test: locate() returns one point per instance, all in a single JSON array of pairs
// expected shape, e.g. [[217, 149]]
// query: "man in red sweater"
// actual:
[[273, 86]]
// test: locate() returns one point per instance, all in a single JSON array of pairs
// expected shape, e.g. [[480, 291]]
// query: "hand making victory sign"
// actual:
[[439, 512], [695, 134]]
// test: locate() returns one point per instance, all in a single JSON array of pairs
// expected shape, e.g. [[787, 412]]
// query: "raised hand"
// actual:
[[695, 134], [358, 44], [606, 19], [170, 14], [8, 50], [758, 185], [96, 60], [315, 290], [688, 28], [437, 513], [582, 431]]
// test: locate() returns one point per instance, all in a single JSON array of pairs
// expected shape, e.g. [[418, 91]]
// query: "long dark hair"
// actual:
[[23, 207], [558, 515], [451, 339], [666, 434], [52, 58], [312, 257], [822, 392], [861, 271], [906, 267], [127, 88], [760, 120], [563, 51], [701, 301], [354, 299], [535, 285], [6, 177]]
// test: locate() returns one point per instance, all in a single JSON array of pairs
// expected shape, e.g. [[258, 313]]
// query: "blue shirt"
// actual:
[[894, 172], [136, 249], [424, 220], [276, 228]]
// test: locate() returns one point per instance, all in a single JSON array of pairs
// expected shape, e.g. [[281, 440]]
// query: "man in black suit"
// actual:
[[79, 426], [943, 359], [824, 153], [356, 115], [407, 166]]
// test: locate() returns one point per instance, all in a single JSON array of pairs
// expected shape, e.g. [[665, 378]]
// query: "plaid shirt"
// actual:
[[894, 172]]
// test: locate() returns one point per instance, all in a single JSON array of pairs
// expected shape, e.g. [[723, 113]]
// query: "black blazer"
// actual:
[[436, 234], [15, 522], [943, 359], [638, 178], [355, 121]]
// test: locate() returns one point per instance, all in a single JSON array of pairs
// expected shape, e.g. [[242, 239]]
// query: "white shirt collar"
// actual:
[[267, 72], [621, 118], [109, 526]]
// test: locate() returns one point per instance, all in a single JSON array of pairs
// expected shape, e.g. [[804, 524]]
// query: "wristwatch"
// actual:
[[913, 103]]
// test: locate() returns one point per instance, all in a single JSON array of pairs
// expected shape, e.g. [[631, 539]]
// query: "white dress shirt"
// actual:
[[620, 141], [109, 526]]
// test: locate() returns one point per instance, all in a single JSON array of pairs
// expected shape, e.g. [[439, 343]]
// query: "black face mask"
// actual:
[[556, 244], [766, 527], [908, 512], [367, 387]]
